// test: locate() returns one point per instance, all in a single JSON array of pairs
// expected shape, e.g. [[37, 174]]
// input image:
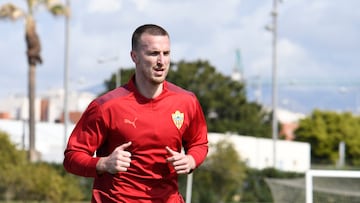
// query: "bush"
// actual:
[[22, 180]]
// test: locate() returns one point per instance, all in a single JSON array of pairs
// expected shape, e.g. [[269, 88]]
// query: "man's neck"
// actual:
[[149, 90]]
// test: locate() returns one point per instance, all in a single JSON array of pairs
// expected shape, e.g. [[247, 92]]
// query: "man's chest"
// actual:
[[149, 125]]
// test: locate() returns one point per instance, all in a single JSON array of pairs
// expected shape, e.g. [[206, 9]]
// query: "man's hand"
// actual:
[[183, 164], [118, 161]]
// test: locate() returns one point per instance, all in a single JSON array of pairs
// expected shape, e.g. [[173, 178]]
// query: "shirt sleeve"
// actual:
[[86, 137], [195, 140]]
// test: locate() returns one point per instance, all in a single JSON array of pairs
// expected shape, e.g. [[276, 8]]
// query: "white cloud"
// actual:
[[293, 59], [104, 6], [141, 4]]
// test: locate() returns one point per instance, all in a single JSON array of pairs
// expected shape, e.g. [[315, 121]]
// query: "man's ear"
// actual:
[[133, 56]]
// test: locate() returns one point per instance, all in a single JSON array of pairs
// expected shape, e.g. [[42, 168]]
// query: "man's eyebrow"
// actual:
[[158, 51]]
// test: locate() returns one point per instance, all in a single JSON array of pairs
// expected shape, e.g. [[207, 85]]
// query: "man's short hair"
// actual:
[[151, 29]]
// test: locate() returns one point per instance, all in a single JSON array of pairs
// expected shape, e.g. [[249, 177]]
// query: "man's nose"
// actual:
[[161, 58]]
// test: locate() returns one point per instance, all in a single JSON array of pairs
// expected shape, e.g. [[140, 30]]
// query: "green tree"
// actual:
[[220, 178], [324, 130], [22, 180], [223, 100], [125, 75], [11, 161], [41, 182], [255, 188], [11, 11]]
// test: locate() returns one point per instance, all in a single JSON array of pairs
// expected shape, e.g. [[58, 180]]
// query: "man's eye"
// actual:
[[153, 53]]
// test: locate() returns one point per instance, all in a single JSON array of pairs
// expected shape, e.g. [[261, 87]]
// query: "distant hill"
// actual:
[[305, 100], [95, 89]]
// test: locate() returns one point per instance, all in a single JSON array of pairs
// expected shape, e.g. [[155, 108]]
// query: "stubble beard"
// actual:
[[156, 80]]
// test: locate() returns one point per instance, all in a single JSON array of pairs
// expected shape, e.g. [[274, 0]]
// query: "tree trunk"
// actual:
[[33, 157], [33, 55]]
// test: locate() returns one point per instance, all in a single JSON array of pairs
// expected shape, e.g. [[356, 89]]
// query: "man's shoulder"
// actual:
[[171, 87], [113, 94]]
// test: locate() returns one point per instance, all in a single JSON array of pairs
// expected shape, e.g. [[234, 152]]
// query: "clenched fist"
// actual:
[[118, 161]]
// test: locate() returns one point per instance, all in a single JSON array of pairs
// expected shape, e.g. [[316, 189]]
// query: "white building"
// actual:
[[50, 136], [48, 106], [258, 152], [49, 141]]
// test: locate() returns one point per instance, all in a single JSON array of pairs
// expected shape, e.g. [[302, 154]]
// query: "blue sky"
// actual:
[[318, 45]]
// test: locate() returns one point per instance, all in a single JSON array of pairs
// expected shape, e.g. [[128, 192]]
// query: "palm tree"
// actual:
[[12, 12]]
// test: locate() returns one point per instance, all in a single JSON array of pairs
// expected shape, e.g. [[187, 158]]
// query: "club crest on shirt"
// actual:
[[178, 118]]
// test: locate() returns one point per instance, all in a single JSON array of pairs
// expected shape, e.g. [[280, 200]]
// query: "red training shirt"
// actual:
[[173, 119]]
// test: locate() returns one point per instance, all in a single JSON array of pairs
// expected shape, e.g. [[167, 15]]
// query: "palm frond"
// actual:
[[56, 7], [59, 9], [11, 11]]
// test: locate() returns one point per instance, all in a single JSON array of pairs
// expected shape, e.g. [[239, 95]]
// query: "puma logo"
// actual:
[[127, 121]]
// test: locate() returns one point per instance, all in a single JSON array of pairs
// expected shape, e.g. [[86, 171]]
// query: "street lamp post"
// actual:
[[273, 29], [118, 77], [66, 74]]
